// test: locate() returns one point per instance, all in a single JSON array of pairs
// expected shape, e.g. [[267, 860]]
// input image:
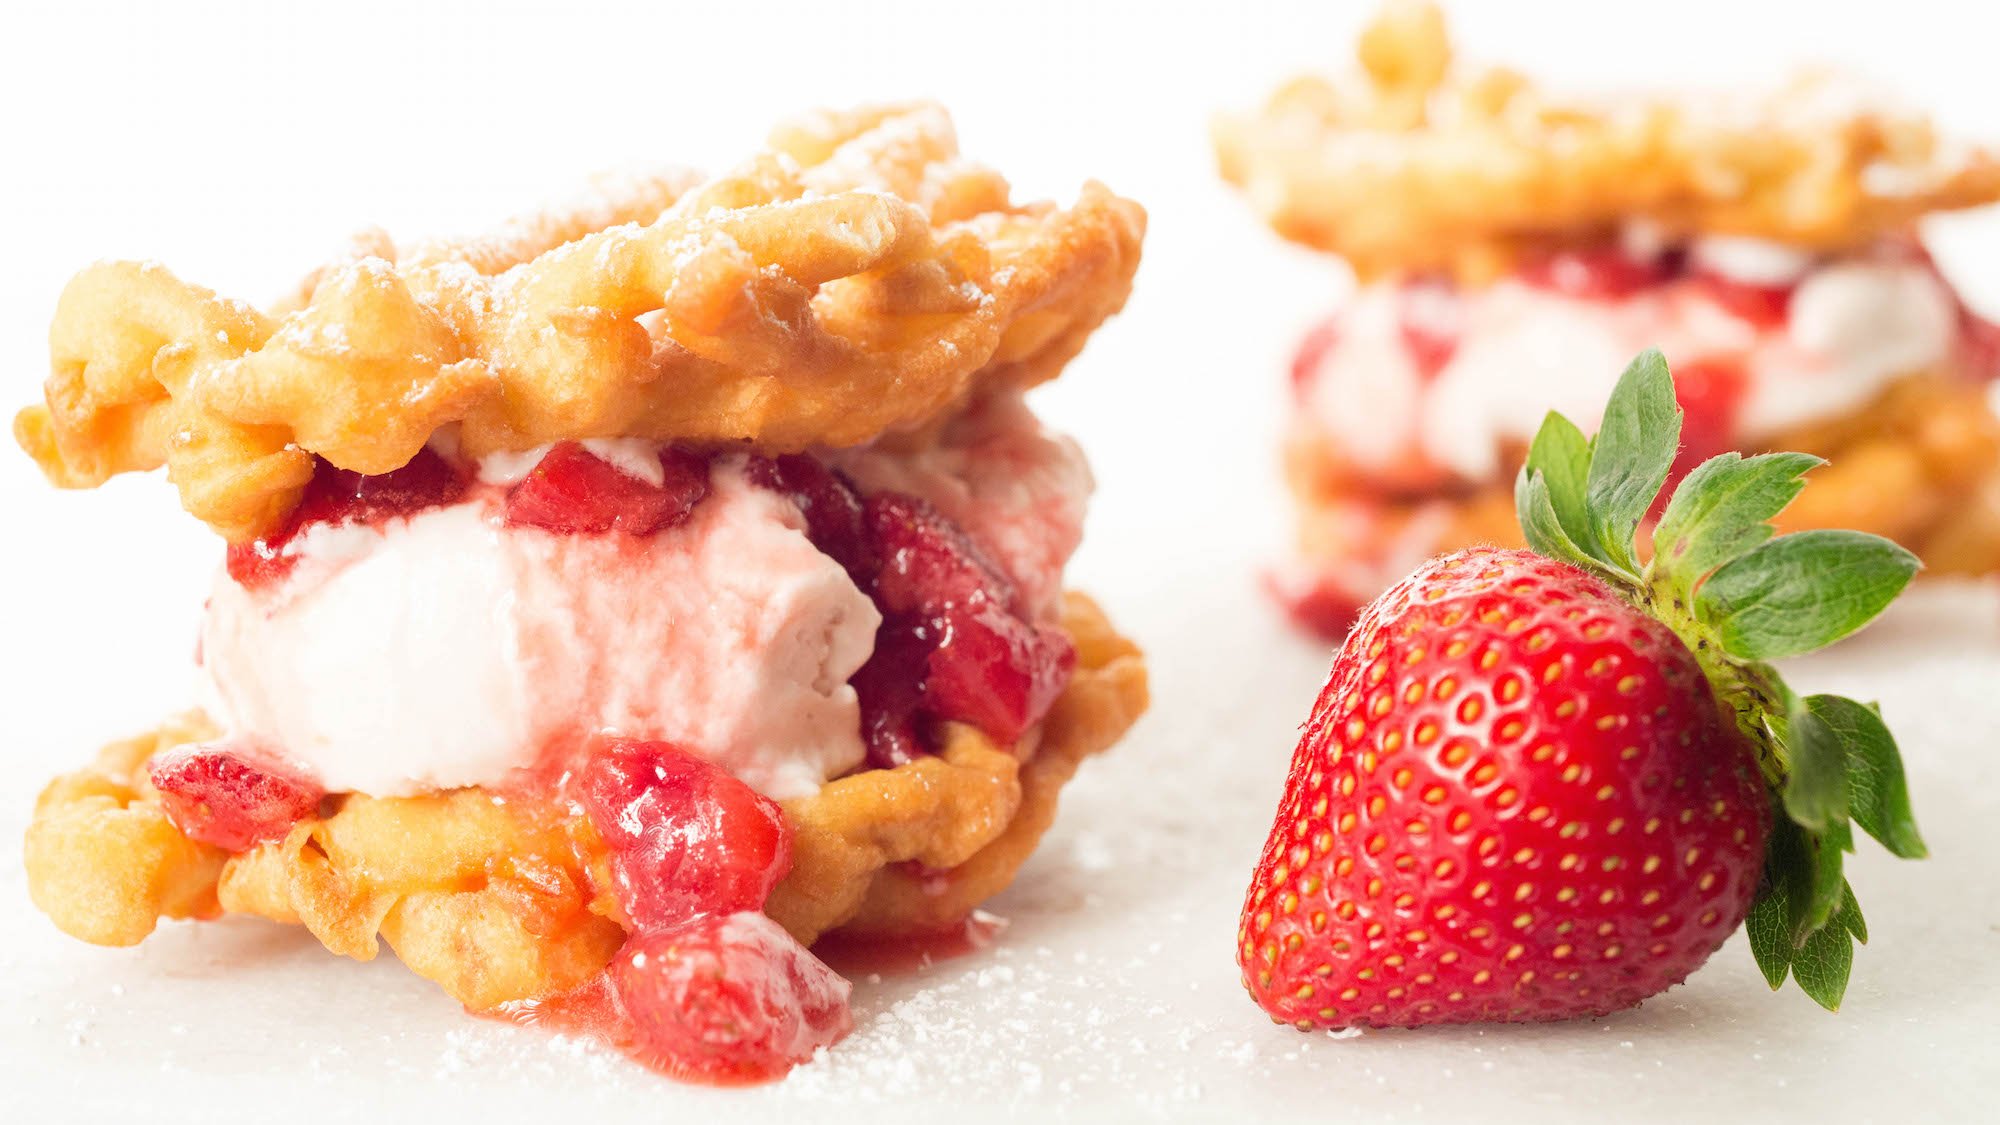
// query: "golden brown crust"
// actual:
[[916, 848], [482, 896], [103, 861], [858, 278], [1421, 164], [492, 899], [1920, 465]]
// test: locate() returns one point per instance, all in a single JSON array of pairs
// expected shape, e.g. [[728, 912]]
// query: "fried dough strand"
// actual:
[[1419, 163], [104, 862], [858, 278], [493, 899]]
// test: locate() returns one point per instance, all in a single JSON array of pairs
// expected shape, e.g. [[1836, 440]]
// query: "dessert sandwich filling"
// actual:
[[1512, 248], [615, 605]]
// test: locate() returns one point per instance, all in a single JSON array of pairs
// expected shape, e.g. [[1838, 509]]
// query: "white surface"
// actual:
[[240, 150]]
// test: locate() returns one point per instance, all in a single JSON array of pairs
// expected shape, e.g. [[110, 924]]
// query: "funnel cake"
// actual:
[[1512, 247], [616, 604]]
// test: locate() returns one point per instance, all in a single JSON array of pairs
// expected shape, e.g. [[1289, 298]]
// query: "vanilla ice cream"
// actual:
[[448, 648], [1852, 327]]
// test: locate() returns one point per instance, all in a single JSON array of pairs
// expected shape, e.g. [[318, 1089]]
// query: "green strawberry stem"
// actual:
[[1740, 596]]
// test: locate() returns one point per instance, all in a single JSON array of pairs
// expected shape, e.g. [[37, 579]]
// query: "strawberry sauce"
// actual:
[[855, 955], [337, 497], [706, 987]]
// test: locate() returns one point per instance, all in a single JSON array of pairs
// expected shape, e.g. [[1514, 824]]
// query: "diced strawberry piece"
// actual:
[[1765, 306], [337, 496], [929, 564], [1316, 603], [1312, 350], [686, 836], [427, 481], [729, 998], [1599, 273], [1710, 393], [574, 491], [261, 561], [1981, 344], [954, 642], [1430, 322], [987, 665], [215, 794], [996, 671], [831, 505], [891, 690]]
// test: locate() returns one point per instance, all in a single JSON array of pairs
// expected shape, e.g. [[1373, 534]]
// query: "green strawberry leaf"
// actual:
[[1549, 493], [1720, 512], [1561, 457], [1739, 598], [1534, 507], [1801, 592], [1816, 789], [1631, 456], [1826, 853], [1876, 790], [1849, 915], [1822, 964], [1769, 927]]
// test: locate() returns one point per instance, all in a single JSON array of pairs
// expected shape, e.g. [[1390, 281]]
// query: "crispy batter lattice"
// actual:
[[104, 863], [493, 899], [857, 278], [1419, 164], [1920, 464]]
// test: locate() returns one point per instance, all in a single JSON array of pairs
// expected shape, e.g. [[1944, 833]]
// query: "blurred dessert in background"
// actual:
[[1511, 248]]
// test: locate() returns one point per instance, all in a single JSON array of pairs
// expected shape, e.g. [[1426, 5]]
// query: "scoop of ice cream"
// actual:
[[449, 649], [1842, 331]]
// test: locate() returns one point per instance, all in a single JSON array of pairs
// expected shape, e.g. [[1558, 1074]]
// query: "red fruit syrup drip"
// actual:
[[855, 955]]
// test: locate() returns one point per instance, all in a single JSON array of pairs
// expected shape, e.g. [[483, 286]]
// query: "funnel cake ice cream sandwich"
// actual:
[[1513, 248], [619, 603]]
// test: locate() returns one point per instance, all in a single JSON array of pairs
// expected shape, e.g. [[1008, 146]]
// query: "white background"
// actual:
[[241, 142]]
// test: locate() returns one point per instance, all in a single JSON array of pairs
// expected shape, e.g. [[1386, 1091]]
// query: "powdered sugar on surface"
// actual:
[[1112, 990]]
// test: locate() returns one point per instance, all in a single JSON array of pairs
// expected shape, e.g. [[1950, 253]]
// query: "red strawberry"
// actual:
[[573, 490], [339, 496], [1318, 341], [1764, 306], [891, 691], [1533, 807], [1601, 273], [830, 504], [728, 998], [1710, 393], [996, 671], [944, 601], [1539, 786], [686, 836], [1431, 323], [228, 798]]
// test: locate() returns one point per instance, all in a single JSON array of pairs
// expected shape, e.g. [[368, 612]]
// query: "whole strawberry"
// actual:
[[1548, 784]]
